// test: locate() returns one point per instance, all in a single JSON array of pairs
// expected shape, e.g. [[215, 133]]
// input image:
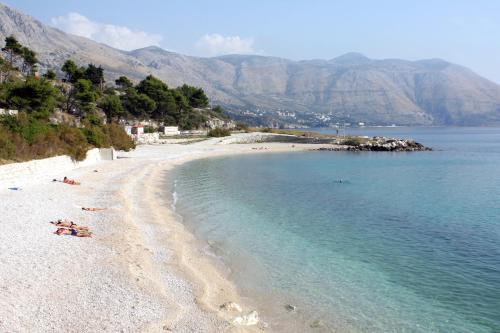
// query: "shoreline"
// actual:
[[142, 271]]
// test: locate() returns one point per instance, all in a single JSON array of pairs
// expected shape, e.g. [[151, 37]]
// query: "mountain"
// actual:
[[351, 87]]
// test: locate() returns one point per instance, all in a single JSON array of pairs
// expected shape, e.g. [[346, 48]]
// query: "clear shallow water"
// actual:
[[408, 242]]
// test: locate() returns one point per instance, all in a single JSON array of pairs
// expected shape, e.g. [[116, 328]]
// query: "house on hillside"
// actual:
[[134, 130], [6, 112]]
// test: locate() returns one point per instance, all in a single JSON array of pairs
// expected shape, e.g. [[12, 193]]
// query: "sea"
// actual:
[[357, 241]]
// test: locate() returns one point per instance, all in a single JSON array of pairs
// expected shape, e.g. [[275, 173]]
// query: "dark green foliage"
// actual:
[[95, 75], [158, 91], [33, 95], [123, 82], [72, 71], [30, 60], [13, 48], [50, 75], [95, 136], [112, 106], [85, 95], [173, 106], [219, 132], [138, 105], [195, 96], [75, 73]]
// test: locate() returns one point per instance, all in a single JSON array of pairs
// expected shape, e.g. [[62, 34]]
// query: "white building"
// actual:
[[170, 130], [137, 130], [5, 112]]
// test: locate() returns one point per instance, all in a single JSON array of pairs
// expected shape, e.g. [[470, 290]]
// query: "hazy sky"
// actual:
[[461, 31]]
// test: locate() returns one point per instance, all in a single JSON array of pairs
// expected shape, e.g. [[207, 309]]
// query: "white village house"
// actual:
[[170, 130], [5, 112]]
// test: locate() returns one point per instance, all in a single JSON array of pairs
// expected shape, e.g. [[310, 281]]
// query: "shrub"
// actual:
[[74, 141], [354, 141], [149, 129], [119, 138], [219, 132], [242, 127], [7, 147], [96, 137]]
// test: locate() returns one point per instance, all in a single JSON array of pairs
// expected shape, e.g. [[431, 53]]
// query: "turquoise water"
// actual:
[[407, 242]]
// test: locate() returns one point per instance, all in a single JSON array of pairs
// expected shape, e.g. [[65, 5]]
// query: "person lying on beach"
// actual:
[[92, 209], [66, 180], [70, 181], [73, 232], [68, 224]]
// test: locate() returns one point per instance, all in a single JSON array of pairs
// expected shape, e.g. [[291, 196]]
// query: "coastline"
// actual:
[[142, 271]]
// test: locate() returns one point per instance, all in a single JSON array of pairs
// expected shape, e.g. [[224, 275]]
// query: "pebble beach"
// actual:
[[141, 271]]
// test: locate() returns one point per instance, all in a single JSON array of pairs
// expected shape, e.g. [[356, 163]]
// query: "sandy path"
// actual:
[[141, 272]]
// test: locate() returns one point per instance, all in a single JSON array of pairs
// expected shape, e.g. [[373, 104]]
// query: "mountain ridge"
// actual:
[[350, 87]]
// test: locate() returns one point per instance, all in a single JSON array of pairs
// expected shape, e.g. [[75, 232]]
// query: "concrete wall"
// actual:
[[107, 154], [19, 174]]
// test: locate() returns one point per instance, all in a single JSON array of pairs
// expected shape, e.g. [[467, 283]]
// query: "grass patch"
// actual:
[[354, 141], [219, 132]]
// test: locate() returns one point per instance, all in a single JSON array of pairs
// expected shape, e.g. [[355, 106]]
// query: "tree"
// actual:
[[153, 87], [95, 75], [30, 61], [195, 96], [12, 47], [123, 82], [158, 91], [83, 96], [70, 69], [50, 75], [33, 95], [138, 105], [73, 72], [112, 106]]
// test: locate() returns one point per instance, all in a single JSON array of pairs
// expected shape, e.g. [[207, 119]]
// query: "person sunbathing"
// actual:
[[73, 232], [70, 224], [70, 181], [92, 209]]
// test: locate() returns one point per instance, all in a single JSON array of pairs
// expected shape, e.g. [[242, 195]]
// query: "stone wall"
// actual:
[[44, 170]]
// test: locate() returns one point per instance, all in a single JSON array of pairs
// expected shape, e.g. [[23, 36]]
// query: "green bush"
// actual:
[[118, 137], [149, 129], [242, 127], [7, 147], [74, 142], [96, 137], [219, 132], [354, 141]]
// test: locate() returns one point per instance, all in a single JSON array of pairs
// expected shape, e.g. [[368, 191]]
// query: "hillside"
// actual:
[[351, 87]]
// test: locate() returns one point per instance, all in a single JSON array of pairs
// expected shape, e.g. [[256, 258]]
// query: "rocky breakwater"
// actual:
[[376, 144]]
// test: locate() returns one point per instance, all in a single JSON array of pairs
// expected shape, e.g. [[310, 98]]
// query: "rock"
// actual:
[[251, 318], [231, 306], [290, 307]]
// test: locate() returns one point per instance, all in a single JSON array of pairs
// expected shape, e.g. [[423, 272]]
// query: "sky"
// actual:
[[460, 31]]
